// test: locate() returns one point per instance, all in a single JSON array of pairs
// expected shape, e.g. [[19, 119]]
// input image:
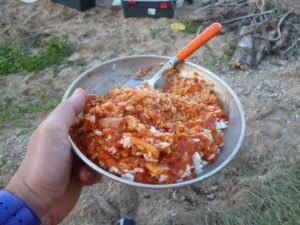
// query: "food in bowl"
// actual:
[[153, 136]]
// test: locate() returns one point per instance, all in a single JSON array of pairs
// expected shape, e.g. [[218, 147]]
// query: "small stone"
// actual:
[[146, 195], [183, 198], [210, 197], [246, 92], [277, 63], [215, 188], [174, 195]]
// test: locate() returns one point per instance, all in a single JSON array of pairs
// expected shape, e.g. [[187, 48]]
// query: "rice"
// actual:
[[128, 176], [114, 170], [153, 136], [98, 132], [198, 163], [126, 142]]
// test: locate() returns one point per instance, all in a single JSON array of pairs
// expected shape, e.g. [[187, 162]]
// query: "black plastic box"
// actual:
[[80, 5], [148, 8]]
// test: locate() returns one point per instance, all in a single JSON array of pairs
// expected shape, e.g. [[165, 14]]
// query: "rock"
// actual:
[[174, 195], [198, 189], [146, 195], [277, 62], [215, 188], [210, 197]]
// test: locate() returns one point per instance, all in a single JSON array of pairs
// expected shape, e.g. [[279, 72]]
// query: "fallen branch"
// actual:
[[223, 3], [211, 5], [261, 47], [283, 39], [243, 55], [283, 54], [247, 16], [279, 25], [264, 18], [260, 31]]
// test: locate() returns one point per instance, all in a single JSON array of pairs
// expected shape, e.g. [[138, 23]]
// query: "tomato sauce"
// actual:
[[152, 136]]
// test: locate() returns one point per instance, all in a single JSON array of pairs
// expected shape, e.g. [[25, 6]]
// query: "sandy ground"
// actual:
[[269, 94]]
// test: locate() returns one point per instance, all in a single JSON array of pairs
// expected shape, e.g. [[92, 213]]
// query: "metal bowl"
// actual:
[[104, 76]]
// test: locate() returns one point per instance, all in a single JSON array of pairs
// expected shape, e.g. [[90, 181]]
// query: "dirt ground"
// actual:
[[270, 96]]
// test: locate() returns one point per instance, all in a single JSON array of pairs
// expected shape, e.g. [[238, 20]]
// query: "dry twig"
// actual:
[[279, 25], [260, 31], [247, 16], [285, 52]]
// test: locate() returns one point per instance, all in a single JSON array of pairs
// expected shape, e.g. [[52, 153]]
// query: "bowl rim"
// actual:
[[160, 186]]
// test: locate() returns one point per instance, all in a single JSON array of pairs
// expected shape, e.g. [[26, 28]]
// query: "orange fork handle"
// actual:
[[200, 40]]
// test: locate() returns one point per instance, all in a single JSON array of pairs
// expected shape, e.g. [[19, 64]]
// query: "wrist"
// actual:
[[15, 211], [20, 189]]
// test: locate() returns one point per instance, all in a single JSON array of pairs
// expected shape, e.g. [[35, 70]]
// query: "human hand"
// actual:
[[50, 177]]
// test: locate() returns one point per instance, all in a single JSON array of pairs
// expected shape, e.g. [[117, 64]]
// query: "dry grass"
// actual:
[[274, 200]]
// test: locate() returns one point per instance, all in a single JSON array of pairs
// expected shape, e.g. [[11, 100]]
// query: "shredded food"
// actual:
[[153, 136]]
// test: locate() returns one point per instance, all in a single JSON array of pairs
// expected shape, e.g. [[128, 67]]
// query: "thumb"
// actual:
[[65, 112]]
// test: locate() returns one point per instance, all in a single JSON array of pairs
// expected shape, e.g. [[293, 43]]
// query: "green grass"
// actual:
[[228, 52], [34, 56], [271, 201], [230, 49], [211, 62], [11, 111], [156, 31], [270, 5], [213, 65], [275, 5], [297, 52], [278, 199], [191, 27]]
